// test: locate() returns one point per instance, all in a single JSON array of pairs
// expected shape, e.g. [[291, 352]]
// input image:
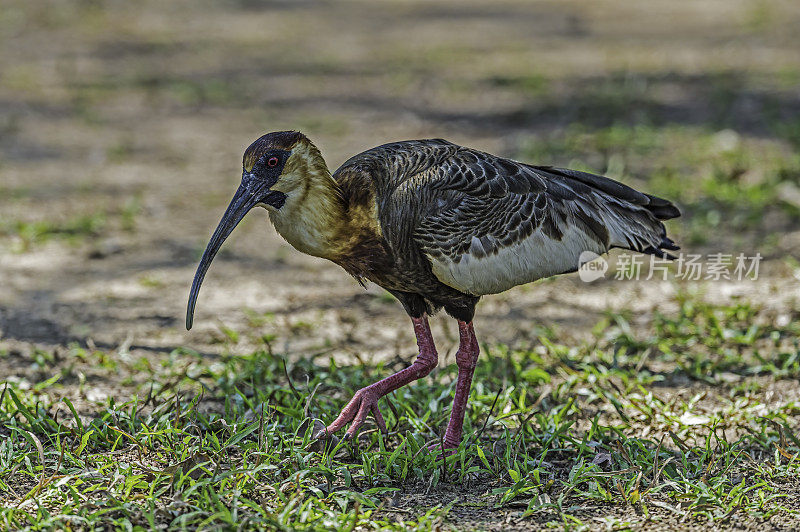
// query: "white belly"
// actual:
[[533, 258]]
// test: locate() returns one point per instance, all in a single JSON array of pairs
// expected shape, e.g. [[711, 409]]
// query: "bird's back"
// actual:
[[481, 224], [389, 165]]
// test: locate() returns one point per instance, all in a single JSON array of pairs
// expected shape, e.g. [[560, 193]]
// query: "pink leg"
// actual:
[[366, 399], [466, 359]]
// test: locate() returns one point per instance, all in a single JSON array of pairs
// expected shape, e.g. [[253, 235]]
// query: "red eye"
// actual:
[[272, 161]]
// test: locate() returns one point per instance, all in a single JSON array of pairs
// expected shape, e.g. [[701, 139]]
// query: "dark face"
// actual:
[[263, 164], [263, 176]]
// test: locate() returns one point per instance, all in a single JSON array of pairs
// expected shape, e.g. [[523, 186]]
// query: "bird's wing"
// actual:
[[487, 224]]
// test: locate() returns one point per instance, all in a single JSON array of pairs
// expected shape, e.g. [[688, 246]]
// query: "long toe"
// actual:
[[363, 412], [345, 416], [376, 412], [357, 410]]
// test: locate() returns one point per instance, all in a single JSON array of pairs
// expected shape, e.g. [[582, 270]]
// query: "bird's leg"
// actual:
[[466, 360], [366, 399]]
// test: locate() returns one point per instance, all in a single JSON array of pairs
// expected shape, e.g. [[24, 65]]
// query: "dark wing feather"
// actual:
[[471, 193], [661, 208]]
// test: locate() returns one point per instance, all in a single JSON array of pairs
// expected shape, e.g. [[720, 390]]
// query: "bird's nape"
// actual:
[[249, 194]]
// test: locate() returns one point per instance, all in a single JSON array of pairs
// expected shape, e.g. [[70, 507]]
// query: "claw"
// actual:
[[356, 411]]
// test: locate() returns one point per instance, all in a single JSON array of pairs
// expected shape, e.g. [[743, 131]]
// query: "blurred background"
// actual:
[[122, 126]]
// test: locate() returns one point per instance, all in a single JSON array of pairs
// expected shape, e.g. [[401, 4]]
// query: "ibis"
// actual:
[[438, 226]]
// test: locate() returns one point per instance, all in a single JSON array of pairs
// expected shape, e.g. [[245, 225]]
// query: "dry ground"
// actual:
[[122, 127]]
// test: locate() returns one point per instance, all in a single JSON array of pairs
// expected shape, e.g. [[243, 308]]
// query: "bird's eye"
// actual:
[[272, 162]]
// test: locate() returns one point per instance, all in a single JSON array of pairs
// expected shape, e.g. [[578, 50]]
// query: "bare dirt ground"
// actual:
[[122, 127]]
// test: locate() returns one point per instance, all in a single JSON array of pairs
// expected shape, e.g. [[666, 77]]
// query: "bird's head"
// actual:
[[276, 171]]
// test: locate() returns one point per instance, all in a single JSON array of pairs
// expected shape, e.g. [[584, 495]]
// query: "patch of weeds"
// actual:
[[95, 357], [149, 281], [532, 84], [243, 458], [120, 152], [13, 193], [256, 320], [25, 235], [554, 434], [300, 326], [28, 234], [192, 92], [715, 342]]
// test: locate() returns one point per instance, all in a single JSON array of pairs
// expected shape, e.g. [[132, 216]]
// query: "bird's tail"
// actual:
[[632, 219], [643, 230]]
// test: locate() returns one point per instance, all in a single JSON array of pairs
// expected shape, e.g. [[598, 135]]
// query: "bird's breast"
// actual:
[[366, 256]]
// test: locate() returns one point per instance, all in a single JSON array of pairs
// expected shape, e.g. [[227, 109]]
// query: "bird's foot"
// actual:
[[450, 448], [363, 402]]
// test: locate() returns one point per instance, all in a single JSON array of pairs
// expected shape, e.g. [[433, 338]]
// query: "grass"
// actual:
[[29, 234], [625, 426], [25, 235]]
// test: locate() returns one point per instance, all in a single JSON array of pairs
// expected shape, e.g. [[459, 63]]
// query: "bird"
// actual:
[[438, 226]]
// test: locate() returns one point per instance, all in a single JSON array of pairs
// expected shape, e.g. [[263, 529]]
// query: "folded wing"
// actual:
[[487, 224]]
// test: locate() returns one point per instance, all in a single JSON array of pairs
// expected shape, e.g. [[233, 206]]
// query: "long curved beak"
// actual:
[[247, 196]]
